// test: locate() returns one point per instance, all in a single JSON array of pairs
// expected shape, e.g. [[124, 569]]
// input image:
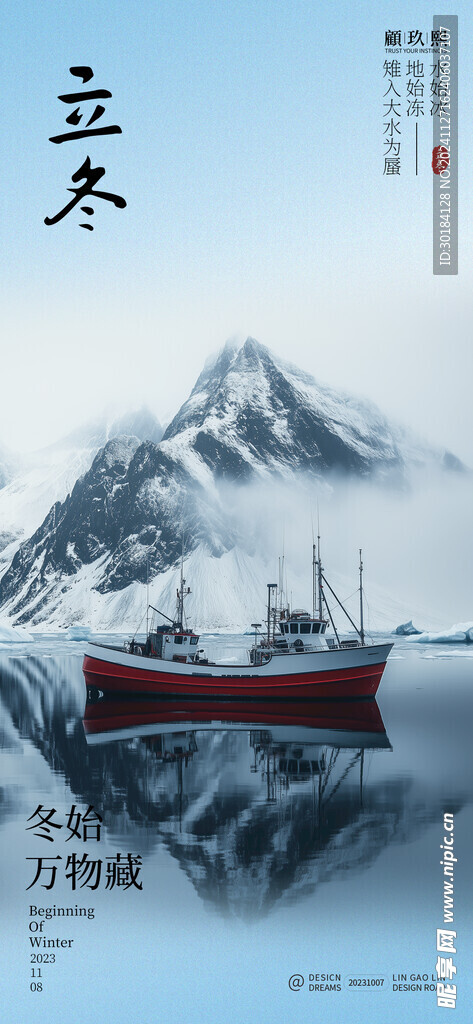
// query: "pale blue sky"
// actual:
[[250, 160]]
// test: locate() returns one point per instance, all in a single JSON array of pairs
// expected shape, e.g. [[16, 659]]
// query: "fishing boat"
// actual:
[[297, 657]]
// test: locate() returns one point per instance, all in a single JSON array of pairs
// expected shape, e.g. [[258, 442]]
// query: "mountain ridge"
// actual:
[[250, 416]]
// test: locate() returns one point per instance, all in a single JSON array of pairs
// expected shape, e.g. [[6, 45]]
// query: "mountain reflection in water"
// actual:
[[256, 802]]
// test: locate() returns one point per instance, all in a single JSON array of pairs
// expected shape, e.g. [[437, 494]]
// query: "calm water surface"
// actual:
[[271, 842]]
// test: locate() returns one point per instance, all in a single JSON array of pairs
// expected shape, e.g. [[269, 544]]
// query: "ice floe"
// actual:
[[461, 633], [14, 635], [406, 629], [79, 633]]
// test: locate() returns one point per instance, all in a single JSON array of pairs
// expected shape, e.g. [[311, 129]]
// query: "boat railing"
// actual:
[[332, 645]]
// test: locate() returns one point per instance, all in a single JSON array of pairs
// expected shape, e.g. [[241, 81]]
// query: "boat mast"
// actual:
[[314, 580], [182, 592], [319, 563], [271, 587], [362, 632]]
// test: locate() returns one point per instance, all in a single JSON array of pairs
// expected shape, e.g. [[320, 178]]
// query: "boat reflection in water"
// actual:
[[265, 797], [294, 735], [347, 724]]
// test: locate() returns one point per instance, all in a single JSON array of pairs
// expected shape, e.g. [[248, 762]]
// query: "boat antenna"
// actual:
[[147, 593], [282, 590], [319, 567], [181, 587], [319, 563], [280, 598], [362, 632]]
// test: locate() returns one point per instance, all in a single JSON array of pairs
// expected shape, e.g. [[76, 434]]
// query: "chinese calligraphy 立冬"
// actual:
[[86, 173]]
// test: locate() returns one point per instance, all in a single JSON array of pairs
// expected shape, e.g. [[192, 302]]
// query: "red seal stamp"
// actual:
[[440, 159]]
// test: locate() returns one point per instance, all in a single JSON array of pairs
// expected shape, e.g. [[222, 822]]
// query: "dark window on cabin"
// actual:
[[286, 627], [194, 639], [316, 627], [294, 627], [178, 639], [305, 627]]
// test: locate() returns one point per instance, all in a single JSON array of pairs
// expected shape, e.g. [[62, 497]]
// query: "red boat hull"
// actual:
[[360, 681]]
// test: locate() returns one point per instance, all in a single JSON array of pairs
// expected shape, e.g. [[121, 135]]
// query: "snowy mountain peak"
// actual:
[[250, 411], [253, 349], [216, 365]]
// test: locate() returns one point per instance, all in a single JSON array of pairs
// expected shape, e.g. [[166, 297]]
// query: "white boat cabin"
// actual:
[[180, 647], [299, 630]]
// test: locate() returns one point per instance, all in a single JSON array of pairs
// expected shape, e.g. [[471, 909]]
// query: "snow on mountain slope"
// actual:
[[228, 592], [225, 591]]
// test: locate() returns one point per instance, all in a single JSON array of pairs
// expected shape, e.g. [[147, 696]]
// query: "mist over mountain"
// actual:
[[8, 464], [250, 417], [140, 423]]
